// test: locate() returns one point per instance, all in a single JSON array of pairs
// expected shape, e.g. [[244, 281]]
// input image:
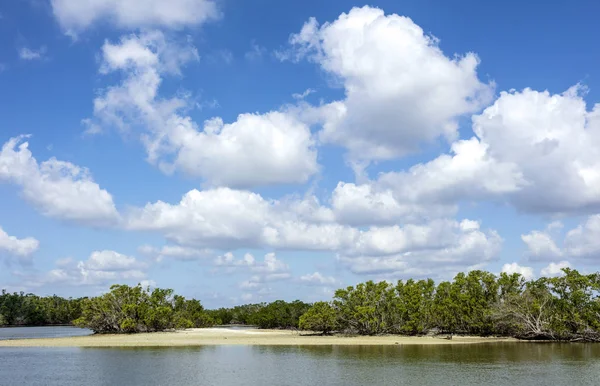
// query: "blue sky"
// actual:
[[249, 151]]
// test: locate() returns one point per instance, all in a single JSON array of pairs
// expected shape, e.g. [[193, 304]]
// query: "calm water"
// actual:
[[41, 332], [498, 364]]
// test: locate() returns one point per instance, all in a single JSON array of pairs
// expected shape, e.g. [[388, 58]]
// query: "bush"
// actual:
[[320, 317]]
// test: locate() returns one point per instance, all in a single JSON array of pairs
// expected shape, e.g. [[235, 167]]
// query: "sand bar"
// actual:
[[220, 336]]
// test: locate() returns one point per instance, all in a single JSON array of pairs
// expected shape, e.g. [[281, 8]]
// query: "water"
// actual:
[[41, 332], [486, 364]]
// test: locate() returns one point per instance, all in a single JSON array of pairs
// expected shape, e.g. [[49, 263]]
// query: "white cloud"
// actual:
[[76, 15], [110, 261], [56, 188], [435, 249], [541, 246], [148, 283], [176, 252], [526, 141], [469, 173], [375, 204], [301, 96], [31, 54], [269, 270], [225, 218], [401, 90], [17, 247], [581, 243], [548, 138], [256, 149], [317, 278], [526, 272], [102, 268], [555, 269]]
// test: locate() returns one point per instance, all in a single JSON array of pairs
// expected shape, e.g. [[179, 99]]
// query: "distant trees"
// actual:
[[320, 317], [563, 308], [134, 309], [478, 303], [279, 314], [20, 309], [558, 308]]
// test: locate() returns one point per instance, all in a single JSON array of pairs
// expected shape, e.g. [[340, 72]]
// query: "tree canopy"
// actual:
[[20, 309], [566, 307], [134, 309]]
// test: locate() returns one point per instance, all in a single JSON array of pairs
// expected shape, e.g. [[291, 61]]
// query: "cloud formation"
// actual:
[[74, 16], [56, 188], [32, 54], [14, 246], [401, 89], [256, 149]]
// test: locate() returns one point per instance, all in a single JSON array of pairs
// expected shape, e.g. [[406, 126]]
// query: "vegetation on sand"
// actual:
[[564, 308]]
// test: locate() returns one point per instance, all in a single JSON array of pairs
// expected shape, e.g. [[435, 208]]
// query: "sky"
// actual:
[[248, 151]]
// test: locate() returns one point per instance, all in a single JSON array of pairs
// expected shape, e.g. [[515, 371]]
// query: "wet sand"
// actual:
[[220, 336]]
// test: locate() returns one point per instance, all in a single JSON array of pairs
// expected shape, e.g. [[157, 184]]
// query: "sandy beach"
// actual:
[[220, 336]]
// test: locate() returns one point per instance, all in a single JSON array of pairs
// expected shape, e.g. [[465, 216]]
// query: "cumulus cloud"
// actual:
[[401, 89], [581, 243], [378, 204], [555, 269], [526, 272], [256, 149], [541, 246], [225, 218], [75, 16], [269, 270], [431, 250], [148, 283], [548, 138], [14, 246], [56, 188], [525, 142], [175, 252], [317, 278], [100, 269]]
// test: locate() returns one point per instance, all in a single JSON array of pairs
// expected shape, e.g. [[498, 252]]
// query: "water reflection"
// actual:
[[507, 364], [41, 332]]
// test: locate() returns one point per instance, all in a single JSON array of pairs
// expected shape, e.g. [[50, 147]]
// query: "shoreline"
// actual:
[[220, 336]]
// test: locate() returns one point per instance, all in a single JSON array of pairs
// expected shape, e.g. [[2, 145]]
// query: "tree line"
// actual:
[[126, 309], [20, 309], [480, 303], [477, 303], [278, 314]]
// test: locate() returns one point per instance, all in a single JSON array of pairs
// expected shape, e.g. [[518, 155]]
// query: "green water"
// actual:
[[486, 364]]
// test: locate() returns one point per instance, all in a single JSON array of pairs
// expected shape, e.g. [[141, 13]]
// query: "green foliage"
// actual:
[[20, 309], [320, 317], [133, 309], [478, 303], [368, 309], [279, 314], [558, 308], [414, 306]]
